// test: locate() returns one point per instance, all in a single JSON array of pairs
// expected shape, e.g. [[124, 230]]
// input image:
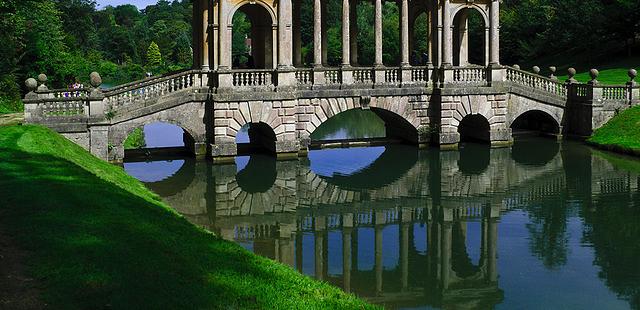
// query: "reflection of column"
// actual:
[[404, 254], [447, 53], [346, 258], [493, 249], [404, 31], [378, 257], [378, 33], [346, 29], [319, 231], [299, 260], [446, 254], [317, 33], [297, 34]]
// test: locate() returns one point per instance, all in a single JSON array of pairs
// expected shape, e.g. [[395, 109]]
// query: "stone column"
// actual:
[[447, 53], [214, 32], [353, 16], [325, 37], [205, 38], [487, 49], [317, 33], [297, 34], [495, 32], [346, 38], [404, 31], [224, 49], [378, 33], [284, 34]]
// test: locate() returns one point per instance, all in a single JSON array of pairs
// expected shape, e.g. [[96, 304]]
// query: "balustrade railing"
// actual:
[[392, 75], [419, 74], [51, 108], [332, 76], [535, 81], [66, 93], [244, 78], [152, 88], [615, 92], [469, 75], [363, 75], [304, 76]]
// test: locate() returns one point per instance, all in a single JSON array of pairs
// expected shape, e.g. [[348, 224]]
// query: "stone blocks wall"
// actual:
[[454, 108]]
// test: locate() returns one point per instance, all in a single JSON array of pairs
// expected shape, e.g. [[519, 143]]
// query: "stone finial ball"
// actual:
[[572, 72], [536, 69], [31, 84], [517, 67], [42, 78], [553, 69], [95, 79], [594, 73], [632, 74]]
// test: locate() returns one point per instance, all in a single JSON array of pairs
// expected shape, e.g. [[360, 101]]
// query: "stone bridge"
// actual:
[[441, 100]]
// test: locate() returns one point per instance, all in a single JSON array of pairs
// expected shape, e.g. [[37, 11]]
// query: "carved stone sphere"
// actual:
[[536, 69], [594, 73], [95, 78], [632, 74], [517, 67], [572, 72], [31, 84], [552, 69], [42, 78]]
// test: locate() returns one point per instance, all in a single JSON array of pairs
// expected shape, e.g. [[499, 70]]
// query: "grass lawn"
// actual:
[[621, 133], [612, 72], [99, 239]]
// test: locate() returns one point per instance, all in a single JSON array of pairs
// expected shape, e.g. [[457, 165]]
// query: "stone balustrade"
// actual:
[[470, 75], [535, 81], [252, 78], [363, 75]]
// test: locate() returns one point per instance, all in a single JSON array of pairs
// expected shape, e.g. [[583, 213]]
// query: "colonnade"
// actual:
[[213, 27]]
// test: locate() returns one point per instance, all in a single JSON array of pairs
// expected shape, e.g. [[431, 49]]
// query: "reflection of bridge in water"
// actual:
[[420, 212]]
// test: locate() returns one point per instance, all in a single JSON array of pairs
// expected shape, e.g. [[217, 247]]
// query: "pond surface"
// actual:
[[540, 225]]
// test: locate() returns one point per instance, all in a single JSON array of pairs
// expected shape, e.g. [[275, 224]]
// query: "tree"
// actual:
[[154, 57]]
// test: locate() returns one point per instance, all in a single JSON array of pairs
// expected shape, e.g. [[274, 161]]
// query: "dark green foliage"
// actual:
[[135, 140], [154, 57]]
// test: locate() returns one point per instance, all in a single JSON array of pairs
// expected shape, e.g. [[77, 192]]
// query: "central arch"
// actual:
[[474, 128], [253, 47], [470, 36]]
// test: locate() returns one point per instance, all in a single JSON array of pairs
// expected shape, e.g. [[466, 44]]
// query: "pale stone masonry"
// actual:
[[283, 103]]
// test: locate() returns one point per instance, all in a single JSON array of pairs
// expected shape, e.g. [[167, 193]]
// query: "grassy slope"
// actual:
[[622, 132], [611, 72], [100, 239]]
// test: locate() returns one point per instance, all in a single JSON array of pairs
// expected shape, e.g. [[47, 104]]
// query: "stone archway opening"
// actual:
[[253, 45], [419, 43], [474, 128], [256, 138], [157, 141], [470, 38], [535, 123]]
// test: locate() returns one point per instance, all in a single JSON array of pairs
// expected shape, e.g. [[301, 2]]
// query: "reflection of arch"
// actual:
[[474, 128], [545, 151], [263, 24], [176, 183], [461, 262], [536, 120], [474, 158], [392, 164], [461, 35], [259, 175]]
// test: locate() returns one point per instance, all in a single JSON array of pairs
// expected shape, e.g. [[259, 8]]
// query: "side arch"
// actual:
[[554, 114], [476, 7]]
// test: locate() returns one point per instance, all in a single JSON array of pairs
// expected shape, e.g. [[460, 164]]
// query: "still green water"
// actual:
[[540, 225]]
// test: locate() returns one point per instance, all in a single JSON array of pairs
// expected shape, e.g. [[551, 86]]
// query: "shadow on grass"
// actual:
[[96, 245]]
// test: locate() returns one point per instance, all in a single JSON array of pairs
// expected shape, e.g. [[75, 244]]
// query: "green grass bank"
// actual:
[[97, 238], [621, 133]]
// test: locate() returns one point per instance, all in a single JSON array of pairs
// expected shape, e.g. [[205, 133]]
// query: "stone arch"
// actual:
[[392, 110], [194, 127], [475, 104], [415, 11], [461, 34], [542, 110], [264, 23], [474, 127], [253, 113]]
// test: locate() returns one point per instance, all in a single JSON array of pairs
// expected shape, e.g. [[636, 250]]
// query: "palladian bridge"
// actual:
[[441, 101]]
